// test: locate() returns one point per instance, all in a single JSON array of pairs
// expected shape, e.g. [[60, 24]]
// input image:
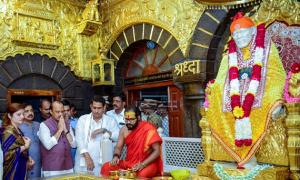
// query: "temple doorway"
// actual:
[[147, 74], [29, 78], [32, 96], [165, 92]]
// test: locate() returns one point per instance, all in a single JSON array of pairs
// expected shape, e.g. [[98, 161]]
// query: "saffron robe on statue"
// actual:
[[138, 143], [270, 90], [15, 161]]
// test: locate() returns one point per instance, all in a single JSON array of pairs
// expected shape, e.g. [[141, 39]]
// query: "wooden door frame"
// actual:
[[168, 83], [146, 86], [149, 85], [33, 92]]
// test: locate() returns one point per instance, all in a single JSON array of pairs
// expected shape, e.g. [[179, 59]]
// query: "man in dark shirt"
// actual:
[[44, 111]]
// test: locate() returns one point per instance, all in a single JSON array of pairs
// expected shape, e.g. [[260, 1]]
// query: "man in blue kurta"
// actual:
[[30, 129]]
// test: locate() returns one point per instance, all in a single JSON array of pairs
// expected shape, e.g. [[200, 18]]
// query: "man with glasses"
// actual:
[[143, 147]]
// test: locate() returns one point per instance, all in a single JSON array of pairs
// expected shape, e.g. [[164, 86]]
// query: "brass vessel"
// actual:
[[122, 174]]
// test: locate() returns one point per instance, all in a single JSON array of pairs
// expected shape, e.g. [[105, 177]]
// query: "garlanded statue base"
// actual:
[[274, 173], [281, 149]]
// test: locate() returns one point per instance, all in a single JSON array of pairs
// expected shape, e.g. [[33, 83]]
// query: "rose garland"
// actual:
[[241, 112]]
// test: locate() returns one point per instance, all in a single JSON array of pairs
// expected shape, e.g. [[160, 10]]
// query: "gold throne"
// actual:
[[281, 145], [281, 148]]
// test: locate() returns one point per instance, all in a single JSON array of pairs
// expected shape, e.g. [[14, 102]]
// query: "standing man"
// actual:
[[150, 109], [89, 134], [73, 124], [162, 110], [30, 129], [119, 101], [143, 147], [73, 118], [44, 112], [56, 140], [67, 117]]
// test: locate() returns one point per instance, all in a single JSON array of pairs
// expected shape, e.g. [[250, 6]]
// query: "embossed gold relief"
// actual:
[[274, 145], [89, 48], [35, 31], [282, 10], [46, 27], [91, 11], [34, 28], [90, 19], [176, 16]]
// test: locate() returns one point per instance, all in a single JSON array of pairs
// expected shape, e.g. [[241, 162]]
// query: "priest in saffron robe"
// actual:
[[143, 147]]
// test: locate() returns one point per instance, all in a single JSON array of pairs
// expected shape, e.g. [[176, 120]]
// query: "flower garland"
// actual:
[[207, 93], [220, 172], [295, 71], [241, 112]]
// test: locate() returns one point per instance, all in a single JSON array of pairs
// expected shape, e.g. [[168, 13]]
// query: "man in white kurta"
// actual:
[[89, 133], [119, 101]]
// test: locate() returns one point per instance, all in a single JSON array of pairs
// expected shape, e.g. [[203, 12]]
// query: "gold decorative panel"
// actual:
[[281, 10], [53, 27], [44, 27], [175, 16], [35, 31], [273, 148]]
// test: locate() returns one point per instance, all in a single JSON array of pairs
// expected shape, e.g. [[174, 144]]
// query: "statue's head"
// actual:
[[242, 30]]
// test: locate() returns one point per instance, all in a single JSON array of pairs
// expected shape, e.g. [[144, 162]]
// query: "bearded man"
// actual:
[[143, 147]]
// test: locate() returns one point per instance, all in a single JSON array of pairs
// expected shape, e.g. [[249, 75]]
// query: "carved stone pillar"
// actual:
[[191, 77]]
